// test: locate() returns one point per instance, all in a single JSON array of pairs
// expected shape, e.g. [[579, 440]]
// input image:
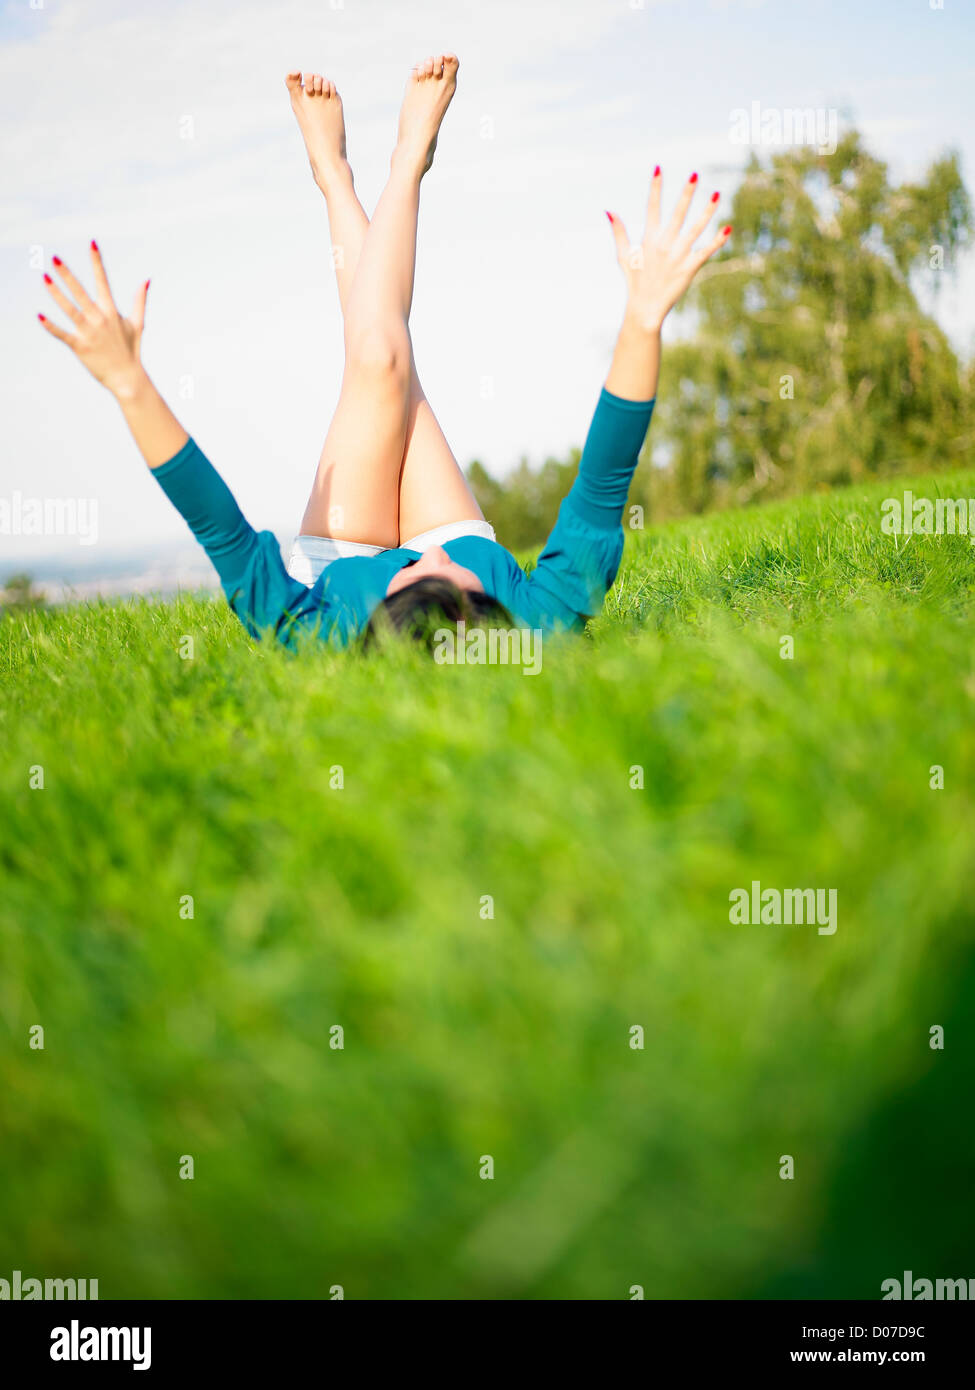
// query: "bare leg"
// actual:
[[432, 488]]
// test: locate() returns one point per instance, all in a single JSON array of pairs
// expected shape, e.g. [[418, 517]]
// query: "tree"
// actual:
[[813, 363], [18, 592], [522, 509]]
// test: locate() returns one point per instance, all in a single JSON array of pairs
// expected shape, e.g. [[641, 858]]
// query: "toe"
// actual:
[[293, 81], [309, 82], [319, 84], [428, 68]]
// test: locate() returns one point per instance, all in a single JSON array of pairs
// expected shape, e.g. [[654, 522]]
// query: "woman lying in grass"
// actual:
[[392, 536]]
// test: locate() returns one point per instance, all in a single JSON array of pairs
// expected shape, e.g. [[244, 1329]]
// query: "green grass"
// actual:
[[509, 1037]]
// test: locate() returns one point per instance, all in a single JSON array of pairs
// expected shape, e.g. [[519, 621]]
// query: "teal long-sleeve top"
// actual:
[[568, 584]]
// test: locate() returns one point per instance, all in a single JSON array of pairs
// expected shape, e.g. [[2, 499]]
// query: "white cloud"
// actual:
[[516, 277]]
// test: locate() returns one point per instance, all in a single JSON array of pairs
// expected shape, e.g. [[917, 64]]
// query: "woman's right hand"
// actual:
[[104, 342], [662, 266]]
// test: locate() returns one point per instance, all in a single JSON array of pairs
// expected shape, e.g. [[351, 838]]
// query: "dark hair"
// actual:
[[419, 609]]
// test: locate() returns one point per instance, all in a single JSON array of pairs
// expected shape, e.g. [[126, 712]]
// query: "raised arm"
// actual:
[[582, 555], [109, 346], [657, 271], [249, 563]]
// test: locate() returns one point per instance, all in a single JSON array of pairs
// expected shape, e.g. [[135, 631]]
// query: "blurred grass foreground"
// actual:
[[430, 972]]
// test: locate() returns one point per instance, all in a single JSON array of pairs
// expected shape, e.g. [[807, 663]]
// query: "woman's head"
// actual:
[[432, 602], [434, 563]]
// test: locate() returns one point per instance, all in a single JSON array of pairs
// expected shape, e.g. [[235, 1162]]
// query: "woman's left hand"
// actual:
[[104, 342]]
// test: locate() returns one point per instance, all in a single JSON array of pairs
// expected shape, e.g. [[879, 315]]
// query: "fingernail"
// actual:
[[610, 216], [656, 172], [57, 260], [47, 279], [727, 231], [94, 244], [42, 318], [715, 197], [693, 178], [147, 284]]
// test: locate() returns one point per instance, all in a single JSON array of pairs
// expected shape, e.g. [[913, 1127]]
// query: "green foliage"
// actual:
[[18, 593], [507, 1036], [811, 363], [523, 508]]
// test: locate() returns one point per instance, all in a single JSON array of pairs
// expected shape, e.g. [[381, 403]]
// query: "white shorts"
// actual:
[[311, 554]]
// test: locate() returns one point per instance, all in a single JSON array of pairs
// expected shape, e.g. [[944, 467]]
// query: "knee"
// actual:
[[380, 352]]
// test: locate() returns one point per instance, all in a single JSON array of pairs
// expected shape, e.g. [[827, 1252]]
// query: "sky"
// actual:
[[163, 129]]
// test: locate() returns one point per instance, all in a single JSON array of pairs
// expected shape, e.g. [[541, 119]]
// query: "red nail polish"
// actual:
[[42, 318], [57, 260], [610, 216], [656, 172], [715, 197], [147, 284], [47, 279], [693, 178], [94, 244], [727, 231]]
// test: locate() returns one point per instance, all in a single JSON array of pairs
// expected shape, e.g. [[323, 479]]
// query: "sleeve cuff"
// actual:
[[621, 403], [171, 465]]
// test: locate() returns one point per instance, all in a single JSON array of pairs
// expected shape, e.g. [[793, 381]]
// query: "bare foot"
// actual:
[[318, 108], [428, 94]]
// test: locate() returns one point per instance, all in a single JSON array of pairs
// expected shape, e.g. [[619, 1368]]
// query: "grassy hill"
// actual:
[[468, 1035]]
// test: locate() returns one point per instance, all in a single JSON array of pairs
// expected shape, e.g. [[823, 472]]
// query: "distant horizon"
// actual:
[[78, 563], [202, 184]]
